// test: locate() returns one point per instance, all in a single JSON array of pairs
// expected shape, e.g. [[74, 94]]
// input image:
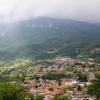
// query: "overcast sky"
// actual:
[[16, 10]]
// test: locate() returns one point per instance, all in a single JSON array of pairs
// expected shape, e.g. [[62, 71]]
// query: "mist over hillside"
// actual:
[[47, 36]]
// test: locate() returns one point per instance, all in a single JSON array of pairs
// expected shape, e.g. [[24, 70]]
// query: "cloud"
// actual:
[[16, 10]]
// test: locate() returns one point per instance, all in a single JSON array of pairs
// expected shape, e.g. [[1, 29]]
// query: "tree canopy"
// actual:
[[94, 89], [11, 91]]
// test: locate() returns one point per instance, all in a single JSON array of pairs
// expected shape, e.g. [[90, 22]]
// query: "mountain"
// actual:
[[47, 37]]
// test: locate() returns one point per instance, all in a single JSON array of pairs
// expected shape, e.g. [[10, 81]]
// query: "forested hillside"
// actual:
[[47, 37]]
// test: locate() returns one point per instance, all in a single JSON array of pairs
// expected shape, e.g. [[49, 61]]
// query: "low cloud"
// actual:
[[17, 10]]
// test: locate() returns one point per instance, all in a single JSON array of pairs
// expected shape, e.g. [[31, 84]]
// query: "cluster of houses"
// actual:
[[62, 60], [71, 87], [49, 88]]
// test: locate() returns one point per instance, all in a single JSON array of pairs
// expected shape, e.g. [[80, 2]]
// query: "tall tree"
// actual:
[[11, 92], [61, 97], [94, 89]]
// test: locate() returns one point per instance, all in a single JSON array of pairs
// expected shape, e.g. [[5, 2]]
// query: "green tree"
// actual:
[[97, 74], [82, 76], [11, 91], [94, 89], [61, 97], [34, 97], [54, 76], [38, 97]]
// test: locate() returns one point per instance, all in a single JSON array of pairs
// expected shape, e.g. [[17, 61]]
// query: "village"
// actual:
[[62, 75]]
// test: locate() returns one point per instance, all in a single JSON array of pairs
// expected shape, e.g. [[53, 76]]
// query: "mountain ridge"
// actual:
[[40, 35]]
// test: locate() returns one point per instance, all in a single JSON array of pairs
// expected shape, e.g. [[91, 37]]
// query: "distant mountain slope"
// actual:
[[40, 35]]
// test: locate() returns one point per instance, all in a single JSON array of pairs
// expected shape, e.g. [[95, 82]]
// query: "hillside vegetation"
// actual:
[[48, 37]]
